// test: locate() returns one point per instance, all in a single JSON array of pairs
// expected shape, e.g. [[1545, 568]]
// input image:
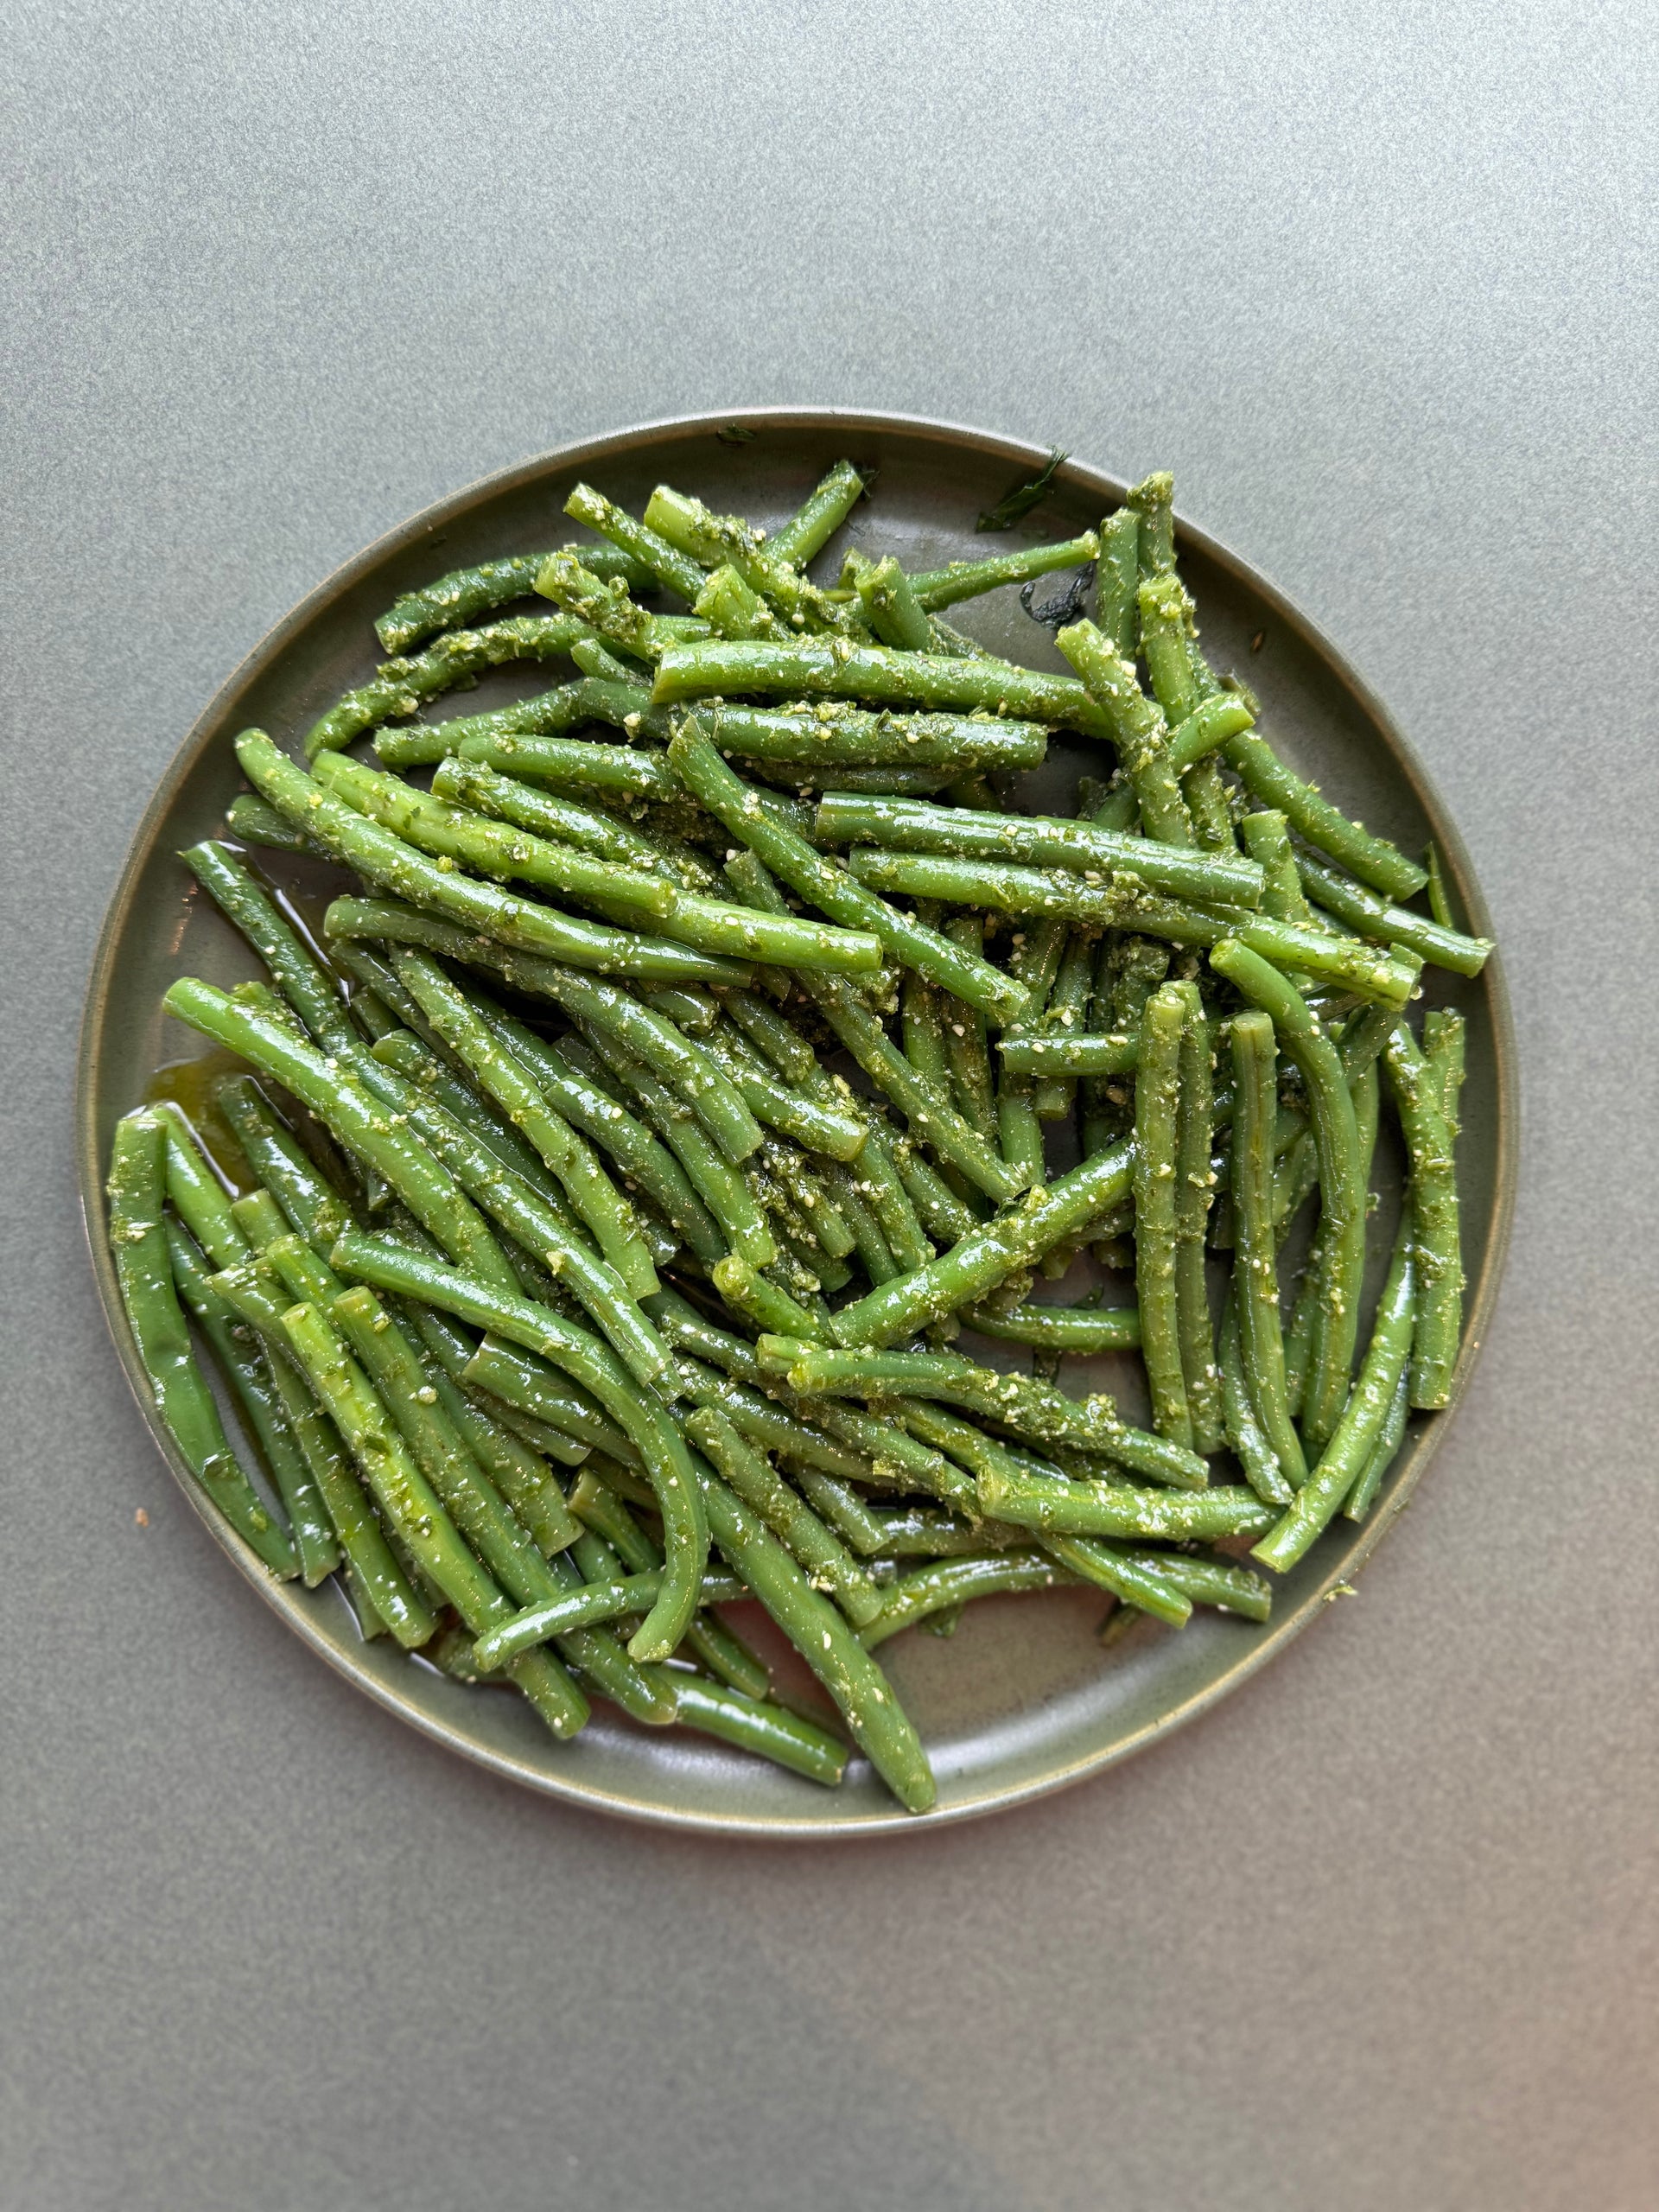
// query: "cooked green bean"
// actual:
[[308, 987], [1363, 1495], [1374, 919], [928, 1589], [260, 1402], [1082, 1331], [1136, 727], [400, 687], [1015, 1402], [390, 862], [1342, 1183], [1355, 1436], [830, 1566], [878, 675], [1256, 1274], [834, 735], [604, 607], [751, 820], [1435, 1238], [587, 1607], [595, 1198], [644, 549], [1267, 841], [465, 593], [355, 1117], [1115, 609], [469, 783], [720, 540], [1157, 1092], [387, 1267], [909, 825], [810, 529], [495, 848], [1374, 860], [1194, 1187], [420, 744], [1246, 1438], [1051, 1505], [787, 1739], [829, 1645], [960, 579], [1152, 502]]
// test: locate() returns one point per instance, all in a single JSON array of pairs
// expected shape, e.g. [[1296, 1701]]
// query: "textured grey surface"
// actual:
[[1377, 284]]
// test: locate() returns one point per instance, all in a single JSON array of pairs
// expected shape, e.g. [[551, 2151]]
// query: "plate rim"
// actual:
[[880, 1820]]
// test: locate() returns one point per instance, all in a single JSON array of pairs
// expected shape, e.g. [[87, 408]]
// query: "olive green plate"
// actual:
[[1022, 1699]]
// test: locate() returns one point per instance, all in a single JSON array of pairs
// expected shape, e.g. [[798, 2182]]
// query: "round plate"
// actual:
[[1022, 1700]]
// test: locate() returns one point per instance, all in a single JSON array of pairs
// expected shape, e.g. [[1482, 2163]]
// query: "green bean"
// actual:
[[1432, 1209], [1363, 1495], [587, 1607], [1194, 1184], [495, 848], [932, 1118], [420, 1057], [644, 547], [964, 1040], [829, 1647], [878, 675], [575, 763], [1166, 613], [818, 1128], [1015, 1402], [1014, 1240], [400, 687], [1374, 919], [260, 1403], [1157, 1093], [603, 1293], [1053, 1506], [1082, 1331], [732, 610], [928, 1589], [1215, 1582], [810, 529], [1136, 1578], [747, 1291], [1151, 500], [636, 1151], [892, 608], [337, 1098], [959, 580], [716, 540], [1254, 1271], [829, 1565], [597, 1369], [526, 1385], [1067, 1011], [469, 783], [833, 735], [251, 1291], [1267, 841], [519, 1472], [1115, 610], [789, 1739], [1439, 905], [768, 1425], [1246, 1438], [721, 1189], [941, 1212], [923, 1030], [420, 744], [1214, 720], [709, 1637], [1372, 859], [755, 824], [465, 593], [909, 825], [1342, 1184], [1135, 726], [308, 988], [412, 1509], [606, 609], [1114, 1054], [1443, 1048], [255, 822], [1355, 1437], [602, 1207], [387, 860]]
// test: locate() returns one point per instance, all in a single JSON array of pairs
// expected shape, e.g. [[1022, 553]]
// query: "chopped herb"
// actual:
[[1018, 501]]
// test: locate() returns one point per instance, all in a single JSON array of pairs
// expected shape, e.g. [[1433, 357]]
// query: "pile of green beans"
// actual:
[[633, 1193]]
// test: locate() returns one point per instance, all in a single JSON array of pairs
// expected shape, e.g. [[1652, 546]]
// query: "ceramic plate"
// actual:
[[1022, 1699]]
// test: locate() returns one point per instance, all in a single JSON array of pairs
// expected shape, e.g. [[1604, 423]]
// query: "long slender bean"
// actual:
[[1435, 1233], [810, 529], [1051, 1505], [966, 976], [1355, 1436], [1083, 1330], [829, 1565], [960, 579], [1271, 784], [390, 862], [1194, 1186], [1157, 1092], [911, 825], [386, 1267], [1342, 1184], [1256, 1275], [1374, 918], [400, 687], [465, 593]]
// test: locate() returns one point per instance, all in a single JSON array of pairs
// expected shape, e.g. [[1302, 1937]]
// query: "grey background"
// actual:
[[1377, 283]]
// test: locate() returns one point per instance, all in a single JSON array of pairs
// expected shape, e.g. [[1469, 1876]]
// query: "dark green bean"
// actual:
[[1256, 1275], [1435, 1239], [1157, 1093], [1374, 860], [828, 1563], [400, 687], [1051, 1505], [1083, 1330], [960, 579], [1384, 924], [465, 593]]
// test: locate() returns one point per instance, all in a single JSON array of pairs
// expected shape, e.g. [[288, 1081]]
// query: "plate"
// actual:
[[1021, 1700]]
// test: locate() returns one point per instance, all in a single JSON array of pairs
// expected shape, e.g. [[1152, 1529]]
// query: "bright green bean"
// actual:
[[960, 579], [1374, 919], [465, 593], [1082, 1331], [1433, 1205], [1256, 1275], [1157, 1093], [400, 687], [829, 1565], [1051, 1505], [810, 529]]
